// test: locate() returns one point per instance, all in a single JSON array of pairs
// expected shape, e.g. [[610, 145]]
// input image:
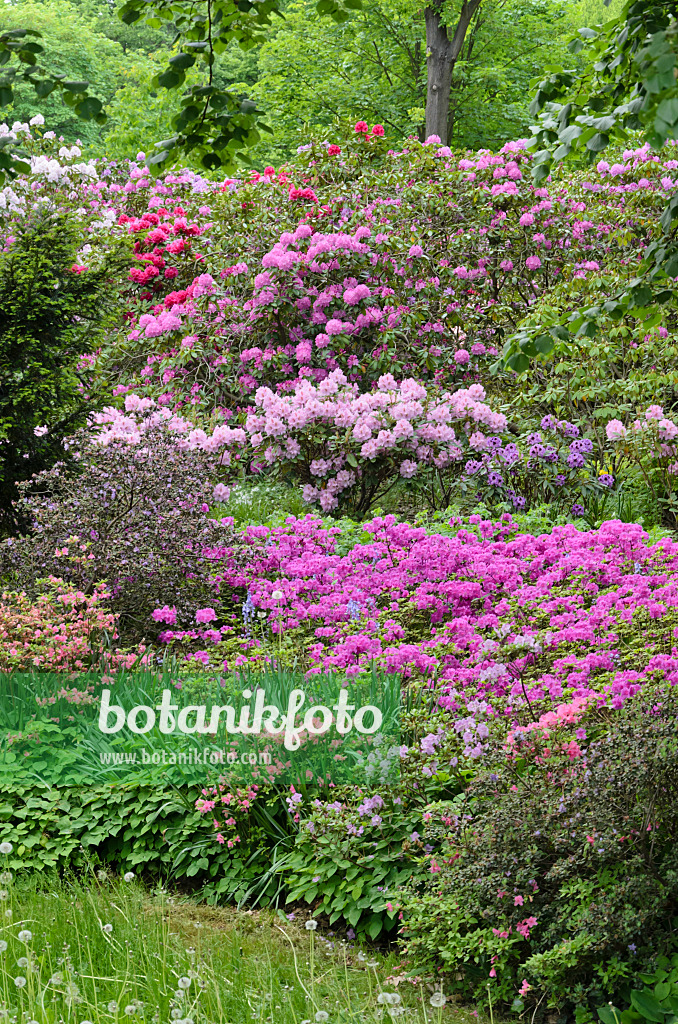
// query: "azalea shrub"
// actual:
[[556, 880], [61, 629], [492, 612]]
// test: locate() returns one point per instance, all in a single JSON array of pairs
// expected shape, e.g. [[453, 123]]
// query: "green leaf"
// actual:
[[609, 1014], [569, 134], [89, 108], [668, 110], [598, 142], [170, 79], [75, 87], [518, 362], [646, 1004], [211, 161], [44, 88], [544, 344], [182, 61]]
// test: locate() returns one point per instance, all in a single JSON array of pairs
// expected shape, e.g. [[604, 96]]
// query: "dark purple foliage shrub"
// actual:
[[133, 516]]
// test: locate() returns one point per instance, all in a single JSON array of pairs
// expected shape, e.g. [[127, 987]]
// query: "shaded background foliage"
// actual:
[[308, 73]]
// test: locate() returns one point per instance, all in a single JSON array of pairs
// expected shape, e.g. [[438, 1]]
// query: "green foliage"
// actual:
[[143, 815], [312, 72], [507, 45], [141, 112], [50, 316], [656, 1002], [73, 49], [214, 122], [628, 84]]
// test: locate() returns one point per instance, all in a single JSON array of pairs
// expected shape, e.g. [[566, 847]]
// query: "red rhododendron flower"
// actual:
[[335, 150], [362, 127], [378, 129]]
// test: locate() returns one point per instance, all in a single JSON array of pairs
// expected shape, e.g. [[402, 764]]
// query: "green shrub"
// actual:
[[657, 1001], [51, 315]]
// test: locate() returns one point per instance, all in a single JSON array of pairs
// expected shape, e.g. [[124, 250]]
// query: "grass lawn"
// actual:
[[106, 949]]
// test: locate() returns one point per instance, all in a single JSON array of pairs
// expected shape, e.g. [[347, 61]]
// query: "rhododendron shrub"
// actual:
[[649, 444], [556, 878], [413, 261], [553, 464], [348, 450], [421, 267], [60, 629], [133, 516]]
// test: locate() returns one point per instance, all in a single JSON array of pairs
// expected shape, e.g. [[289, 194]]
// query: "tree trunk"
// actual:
[[442, 53], [439, 71]]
